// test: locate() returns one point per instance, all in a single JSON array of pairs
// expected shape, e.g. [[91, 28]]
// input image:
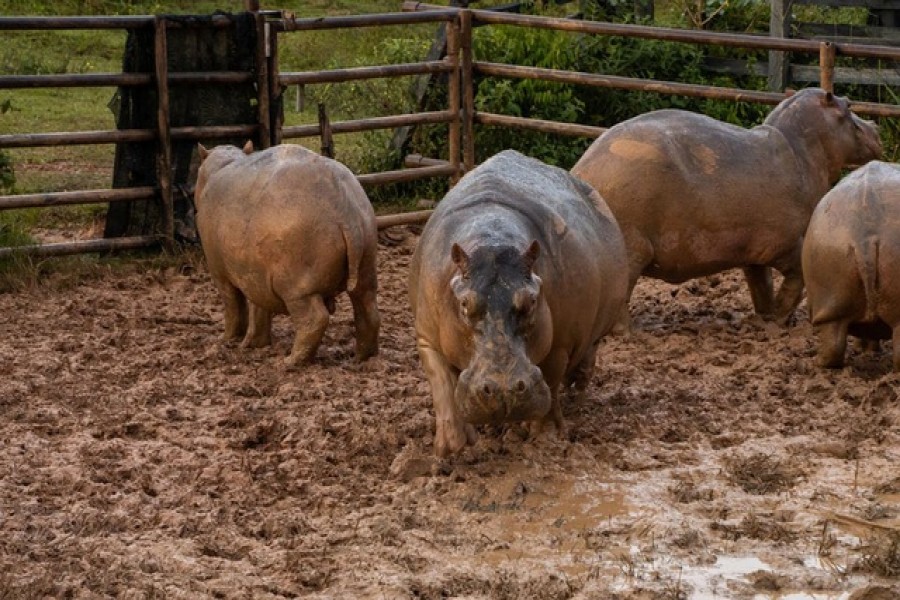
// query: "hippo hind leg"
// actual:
[[259, 328], [833, 344], [310, 317], [759, 280], [235, 309], [366, 320]]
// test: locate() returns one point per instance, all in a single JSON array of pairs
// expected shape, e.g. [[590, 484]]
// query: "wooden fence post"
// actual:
[[779, 26], [164, 132]]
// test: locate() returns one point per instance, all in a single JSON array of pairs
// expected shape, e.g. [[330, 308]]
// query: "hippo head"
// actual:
[[213, 160], [499, 299], [827, 119]]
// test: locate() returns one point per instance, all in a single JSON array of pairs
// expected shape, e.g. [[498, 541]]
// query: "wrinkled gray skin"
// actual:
[[695, 196], [285, 230], [518, 274], [851, 257]]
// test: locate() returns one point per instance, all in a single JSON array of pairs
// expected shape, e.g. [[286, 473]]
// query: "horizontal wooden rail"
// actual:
[[115, 136], [409, 218], [627, 83], [341, 22], [83, 246], [358, 73], [119, 79], [573, 129], [389, 122], [414, 161], [404, 175], [77, 197]]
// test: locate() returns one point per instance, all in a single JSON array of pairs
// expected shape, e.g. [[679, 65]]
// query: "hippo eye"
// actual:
[[468, 305], [523, 303]]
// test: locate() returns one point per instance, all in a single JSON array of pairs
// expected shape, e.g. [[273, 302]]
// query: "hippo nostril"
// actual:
[[488, 390], [521, 386]]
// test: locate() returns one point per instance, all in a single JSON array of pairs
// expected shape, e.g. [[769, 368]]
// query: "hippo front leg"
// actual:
[[553, 368], [896, 347], [235, 309], [310, 317], [259, 328], [759, 280], [451, 432], [833, 344]]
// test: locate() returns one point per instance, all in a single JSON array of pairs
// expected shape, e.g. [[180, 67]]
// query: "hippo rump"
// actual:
[[285, 230], [695, 196], [518, 274], [850, 258]]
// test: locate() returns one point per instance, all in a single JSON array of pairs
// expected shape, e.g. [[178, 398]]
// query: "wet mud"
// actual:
[[140, 456]]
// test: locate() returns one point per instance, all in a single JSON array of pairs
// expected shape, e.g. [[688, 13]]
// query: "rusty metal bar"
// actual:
[[8, 82], [81, 247], [77, 197], [104, 22], [628, 83], [409, 218], [276, 91], [573, 129], [826, 66], [405, 175], [468, 89], [25, 23], [874, 109], [111, 136], [414, 161], [453, 98], [341, 22], [36, 140], [389, 122], [693, 36], [262, 78], [357, 73], [164, 150]]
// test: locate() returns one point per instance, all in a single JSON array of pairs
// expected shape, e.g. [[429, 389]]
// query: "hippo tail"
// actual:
[[866, 256], [354, 256]]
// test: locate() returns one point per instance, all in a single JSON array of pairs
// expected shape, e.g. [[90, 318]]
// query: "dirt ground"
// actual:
[[142, 457]]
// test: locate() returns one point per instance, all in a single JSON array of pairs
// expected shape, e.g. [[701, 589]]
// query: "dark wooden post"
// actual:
[[325, 132], [453, 97], [251, 5], [468, 89], [827, 53], [779, 26], [164, 133]]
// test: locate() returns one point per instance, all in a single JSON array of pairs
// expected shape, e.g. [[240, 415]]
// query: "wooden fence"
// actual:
[[460, 66]]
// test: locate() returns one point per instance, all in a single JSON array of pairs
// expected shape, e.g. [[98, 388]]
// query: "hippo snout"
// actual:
[[493, 396]]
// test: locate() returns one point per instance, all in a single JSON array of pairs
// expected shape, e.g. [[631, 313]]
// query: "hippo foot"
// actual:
[[536, 428], [450, 437], [295, 359], [256, 342], [366, 352]]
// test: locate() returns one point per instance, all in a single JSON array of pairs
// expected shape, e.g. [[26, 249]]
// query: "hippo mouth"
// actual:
[[480, 406]]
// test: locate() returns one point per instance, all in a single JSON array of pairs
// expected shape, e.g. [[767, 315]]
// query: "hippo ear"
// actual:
[[531, 254], [828, 100], [248, 147], [460, 259], [202, 151]]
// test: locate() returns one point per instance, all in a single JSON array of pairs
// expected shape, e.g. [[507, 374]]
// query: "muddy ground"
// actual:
[[141, 457]]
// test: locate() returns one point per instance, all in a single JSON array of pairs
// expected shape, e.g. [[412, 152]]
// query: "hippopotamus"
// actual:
[[518, 274], [285, 230], [695, 196], [850, 257]]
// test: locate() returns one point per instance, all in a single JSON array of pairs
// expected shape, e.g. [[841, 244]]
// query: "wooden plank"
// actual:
[[82, 247], [804, 73], [164, 131], [76, 197], [879, 4]]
